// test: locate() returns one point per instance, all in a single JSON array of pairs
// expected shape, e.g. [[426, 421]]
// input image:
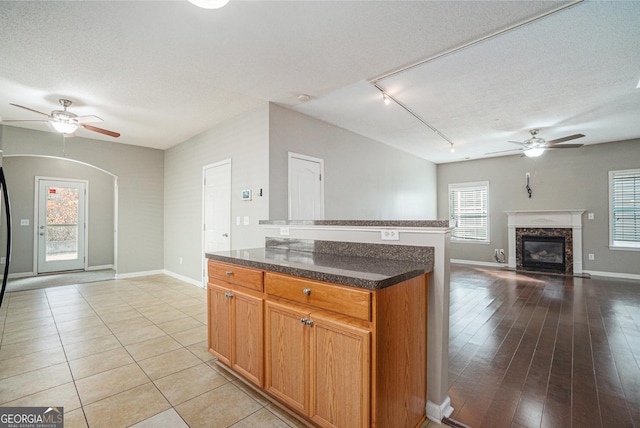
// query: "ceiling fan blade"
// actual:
[[563, 139], [516, 142], [566, 146], [30, 109], [99, 130], [88, 119], [26, 120], [503, 151]]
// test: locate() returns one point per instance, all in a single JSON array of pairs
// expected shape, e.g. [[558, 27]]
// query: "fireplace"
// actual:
[[564, 224], [545, 253]]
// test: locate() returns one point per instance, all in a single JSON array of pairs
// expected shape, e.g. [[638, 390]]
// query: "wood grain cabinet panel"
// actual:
[[337, 355], [236, 331]]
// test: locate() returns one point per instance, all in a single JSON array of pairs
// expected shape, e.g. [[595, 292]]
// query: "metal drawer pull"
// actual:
[[309, 323], [228, 295], [307, 291], [229, 273], [303, 320]]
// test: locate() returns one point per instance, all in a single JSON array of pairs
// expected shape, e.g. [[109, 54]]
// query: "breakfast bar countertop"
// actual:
[[372, 273]]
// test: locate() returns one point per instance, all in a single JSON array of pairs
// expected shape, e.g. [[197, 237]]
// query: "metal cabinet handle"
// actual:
[[309, 323], [303, 320], [307, 291], [229, 272], [228, 295]]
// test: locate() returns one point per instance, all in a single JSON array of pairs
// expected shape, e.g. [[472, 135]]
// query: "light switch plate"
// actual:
[[246, 220], [590, 216]]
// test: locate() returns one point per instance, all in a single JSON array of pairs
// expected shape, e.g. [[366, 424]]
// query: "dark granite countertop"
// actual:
[[364, 272]]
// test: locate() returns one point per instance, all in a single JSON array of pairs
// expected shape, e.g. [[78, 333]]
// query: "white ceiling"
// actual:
[[161, 72]]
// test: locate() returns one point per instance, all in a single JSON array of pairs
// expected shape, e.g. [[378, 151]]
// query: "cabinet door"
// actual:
[[248, 333], [220, 323], [287, 355], [340, 370]]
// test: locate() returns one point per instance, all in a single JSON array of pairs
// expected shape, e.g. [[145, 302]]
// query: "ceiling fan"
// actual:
[[66, 122], [535, 146]]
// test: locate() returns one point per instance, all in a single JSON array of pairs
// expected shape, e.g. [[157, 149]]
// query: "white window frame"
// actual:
[[633, 245], [469, 186]]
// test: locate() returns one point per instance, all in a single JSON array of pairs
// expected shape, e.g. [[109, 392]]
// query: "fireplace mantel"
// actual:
[[569, 219]]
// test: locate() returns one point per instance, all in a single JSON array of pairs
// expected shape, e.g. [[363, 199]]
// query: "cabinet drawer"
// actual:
[[346, 300], [236, 275]]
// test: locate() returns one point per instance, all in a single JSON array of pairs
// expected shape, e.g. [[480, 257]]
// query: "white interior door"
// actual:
[[217, 207], [61, 226], [306, 187]]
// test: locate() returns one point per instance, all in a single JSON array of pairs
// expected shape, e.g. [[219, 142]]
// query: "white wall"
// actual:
[[244, 140], [140, 174], [560, 179], [364, 179]]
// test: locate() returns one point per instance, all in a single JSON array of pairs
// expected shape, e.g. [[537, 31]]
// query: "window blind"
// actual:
[[625, 204], [468, 207]]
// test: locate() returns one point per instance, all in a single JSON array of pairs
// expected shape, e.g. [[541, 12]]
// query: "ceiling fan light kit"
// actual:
[[209, 4], [534, 152], [66, 122]]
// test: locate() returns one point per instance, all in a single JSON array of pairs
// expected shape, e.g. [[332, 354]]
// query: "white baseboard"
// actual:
[[137, 274], [21, 275], [612, 274], [183, 278], [590, 272], [477, 263], [100, 267], [436, 412]]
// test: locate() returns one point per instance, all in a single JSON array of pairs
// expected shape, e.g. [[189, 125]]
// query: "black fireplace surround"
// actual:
[[546, 253]]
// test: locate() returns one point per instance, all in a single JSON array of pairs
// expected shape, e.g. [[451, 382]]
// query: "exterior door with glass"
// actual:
[[61, 225]]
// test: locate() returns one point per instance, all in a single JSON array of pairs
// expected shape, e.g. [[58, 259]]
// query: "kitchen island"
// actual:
[[335, 331]]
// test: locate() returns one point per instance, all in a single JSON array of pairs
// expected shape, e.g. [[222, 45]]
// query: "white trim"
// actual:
[[21, 275], [183, 278], [478, 263], [437, 412], [613, 274], [99, 267], [138, 274]]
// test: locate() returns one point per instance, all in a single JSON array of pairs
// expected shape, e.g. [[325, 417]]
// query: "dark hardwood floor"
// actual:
[[535, 350]]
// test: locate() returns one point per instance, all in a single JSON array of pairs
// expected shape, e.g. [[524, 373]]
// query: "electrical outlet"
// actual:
[[590, 216], [389, 235], [180, 260], [246, 220], [502, 251], [284, 231], [24, 222], [592, 256], [3, 260]]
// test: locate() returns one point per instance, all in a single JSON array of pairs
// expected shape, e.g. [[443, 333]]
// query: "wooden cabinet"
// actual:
[[340, 356], [236, 330], [318, 366]]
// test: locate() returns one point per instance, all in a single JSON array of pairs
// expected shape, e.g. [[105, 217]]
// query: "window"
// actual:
[[624, 208], [469, 209]]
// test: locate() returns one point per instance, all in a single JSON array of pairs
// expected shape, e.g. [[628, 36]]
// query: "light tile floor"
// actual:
[[123, 353]]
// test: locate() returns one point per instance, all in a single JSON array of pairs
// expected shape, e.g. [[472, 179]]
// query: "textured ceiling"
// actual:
[[162, 72]]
